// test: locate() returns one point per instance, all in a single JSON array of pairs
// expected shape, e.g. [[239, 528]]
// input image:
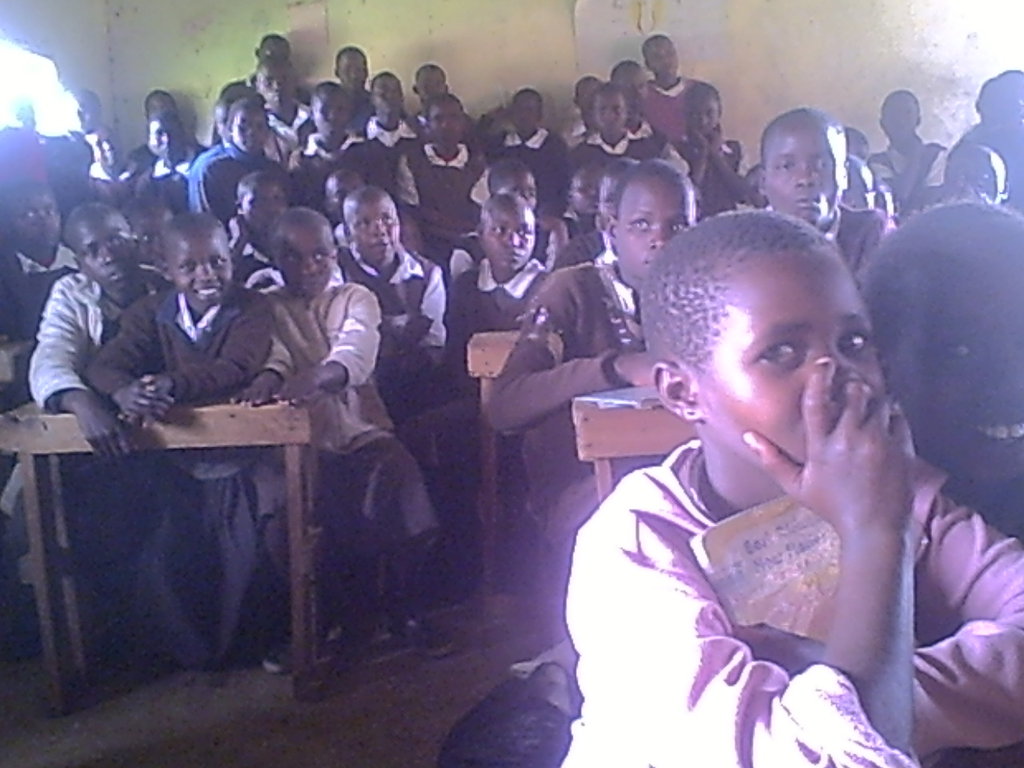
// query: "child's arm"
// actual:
[[970, 589], [662, 673], [241, 356], [132, 353], [532, 385], [728, 169], [857, 476]]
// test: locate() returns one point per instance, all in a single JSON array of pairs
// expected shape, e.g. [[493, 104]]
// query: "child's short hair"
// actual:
[[503, 172], [384, 76], [684, 296], [502, 202], [798, 117], [246, 104], [192, 224], [251, 181], [653, 40], [426, 69], [87, 214], [697, 94], [651, 170], [528, 93], [365, 195], [305, 218], [440, 100], [941, 246], [328, 89], [624, 69]]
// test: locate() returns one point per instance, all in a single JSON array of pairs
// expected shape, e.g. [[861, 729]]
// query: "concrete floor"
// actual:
[[390, 712]]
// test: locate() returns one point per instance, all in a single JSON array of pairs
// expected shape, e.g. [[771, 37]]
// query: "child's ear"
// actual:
[[679, 389], [613, 231]]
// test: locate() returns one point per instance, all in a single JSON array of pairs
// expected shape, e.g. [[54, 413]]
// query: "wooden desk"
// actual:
[[604, 434], [485, 359], [40, 439]]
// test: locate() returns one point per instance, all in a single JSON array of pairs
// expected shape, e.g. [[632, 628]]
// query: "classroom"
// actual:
[[553, 384]]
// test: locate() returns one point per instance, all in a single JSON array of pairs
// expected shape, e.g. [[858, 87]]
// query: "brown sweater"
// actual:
[[227, 358], [534, 394]]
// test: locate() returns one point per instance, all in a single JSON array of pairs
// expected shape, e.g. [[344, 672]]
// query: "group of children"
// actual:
[[339, 254]]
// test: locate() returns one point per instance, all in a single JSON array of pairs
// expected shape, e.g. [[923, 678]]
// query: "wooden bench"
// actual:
[[40, 440], [604, 434], [486, 356]]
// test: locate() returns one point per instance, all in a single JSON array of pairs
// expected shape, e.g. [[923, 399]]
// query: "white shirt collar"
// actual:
[[302, 114], [408, 267], [672, 92], [65, 258], [517, 286], [191, 328], [162, 168], [626, 296], [459, 161], [314, 148], [389, 138], [620, 148], [512, 139], [643, 131]]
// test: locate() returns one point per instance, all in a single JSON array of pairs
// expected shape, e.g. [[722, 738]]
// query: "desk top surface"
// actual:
[[29, 430], [625, 431]]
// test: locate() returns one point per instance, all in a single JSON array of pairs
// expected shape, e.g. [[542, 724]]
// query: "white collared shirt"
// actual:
[[389, 137], [314, 147], [671, 92], [405, 183], [162, 168], [668, 153], [65, 258], [517, 286], [284, 137], [512, 139], [435, 298], [191, 328]]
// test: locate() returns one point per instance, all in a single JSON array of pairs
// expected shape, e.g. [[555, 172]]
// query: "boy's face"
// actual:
[[527, 113], [306, 257], [374, 230], [146, 228], [964, 391], [249, 131], [508, 239], [783, 312], [446, 123], [650, 213], [522, 186], [274, 50], [661, 58], [331, 114], [351, 69], [610, 115], [36, 223], [387, 97], [430, 84], [805, 173], [901, 116], [706, 117], [198, 265], [161, 136], [275, 83], [260, 205], [108, 254], [584, 190]]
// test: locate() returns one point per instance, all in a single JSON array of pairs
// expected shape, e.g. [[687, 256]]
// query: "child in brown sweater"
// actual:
[[201, 341], [595, 312]]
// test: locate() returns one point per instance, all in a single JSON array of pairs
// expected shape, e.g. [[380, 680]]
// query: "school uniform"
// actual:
[[362, 111], [286, 137], [197, 565], [596, 316], [713, 193], [378, 157], [658, 661], [642, 144], [893, 164], [370, 498], [167, 180], [1009, 144], [547, 157], [663, 108], [582, 249], [24, 287], [415, 288], [311, 166], [214, 176], [440, 190], [857, 234]]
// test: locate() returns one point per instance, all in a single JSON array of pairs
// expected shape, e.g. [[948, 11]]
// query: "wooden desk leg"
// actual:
[[53, 579], [605, 478], [488, 502], [302, 534]]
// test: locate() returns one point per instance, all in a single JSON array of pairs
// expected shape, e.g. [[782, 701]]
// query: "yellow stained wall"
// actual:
[[843, 56]]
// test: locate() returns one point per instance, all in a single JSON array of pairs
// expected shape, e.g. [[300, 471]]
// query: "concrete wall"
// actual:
[[771, 55]]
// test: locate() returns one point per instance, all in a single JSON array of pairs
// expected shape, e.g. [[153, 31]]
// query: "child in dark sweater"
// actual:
[[201, 341]]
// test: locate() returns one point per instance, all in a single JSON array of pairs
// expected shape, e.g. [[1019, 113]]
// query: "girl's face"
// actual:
[[650, 213], [782, 312], [964, 391], [706, 117]]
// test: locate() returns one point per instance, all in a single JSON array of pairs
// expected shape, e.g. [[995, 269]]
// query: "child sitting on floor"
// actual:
[[764, 345], [370, 496], [804, 156], [199, 342], [412, 298]]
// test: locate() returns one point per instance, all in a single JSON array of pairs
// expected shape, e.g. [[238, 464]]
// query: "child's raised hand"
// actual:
[[857, 469], [262, 390], [146, 397]]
